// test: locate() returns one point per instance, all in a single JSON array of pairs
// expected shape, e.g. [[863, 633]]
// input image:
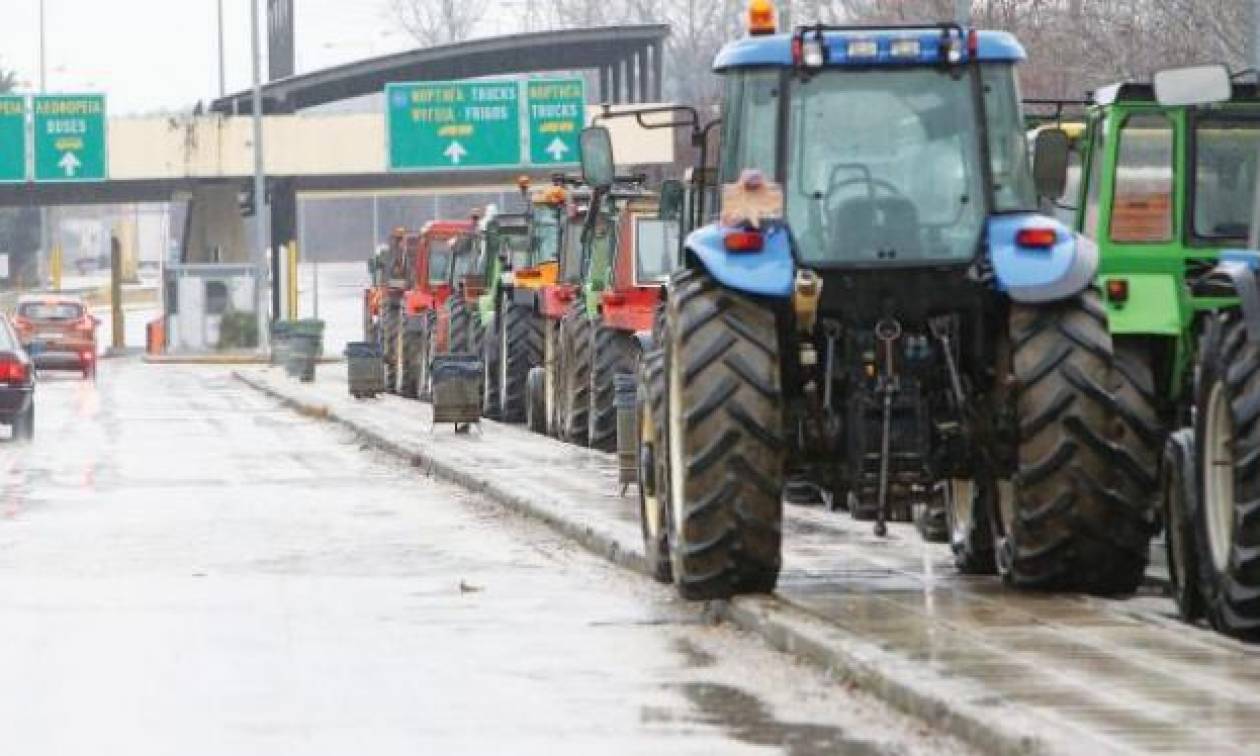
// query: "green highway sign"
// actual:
[[436, 125], [445, 125], [557, 113], [12, 138], [69, 134]]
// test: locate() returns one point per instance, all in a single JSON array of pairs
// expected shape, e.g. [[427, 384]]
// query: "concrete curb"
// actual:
[[981, 722]]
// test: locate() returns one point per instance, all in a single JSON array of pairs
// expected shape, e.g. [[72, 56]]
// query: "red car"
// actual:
[[17, 384], [58, 332]]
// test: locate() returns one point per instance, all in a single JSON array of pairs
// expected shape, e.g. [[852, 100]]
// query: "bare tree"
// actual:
[[8, 81], [439, 22]]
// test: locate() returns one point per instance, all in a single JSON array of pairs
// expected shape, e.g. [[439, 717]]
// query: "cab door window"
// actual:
[[1142, 207]]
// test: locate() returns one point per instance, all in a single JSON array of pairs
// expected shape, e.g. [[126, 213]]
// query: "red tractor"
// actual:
[[455, 319], [428, 265]]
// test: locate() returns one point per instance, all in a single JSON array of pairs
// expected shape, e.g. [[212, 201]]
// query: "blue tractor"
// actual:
[[876, 300]]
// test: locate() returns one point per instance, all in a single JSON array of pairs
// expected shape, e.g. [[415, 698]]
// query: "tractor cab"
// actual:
[[430, 263], [1168, 184]]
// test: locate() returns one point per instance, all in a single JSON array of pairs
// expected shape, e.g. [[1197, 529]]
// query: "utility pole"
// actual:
[[260, 181], [222, 75], [44, 233]]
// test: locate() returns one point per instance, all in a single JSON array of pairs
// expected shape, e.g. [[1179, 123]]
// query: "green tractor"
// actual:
[[1169, 175], [503, 244]]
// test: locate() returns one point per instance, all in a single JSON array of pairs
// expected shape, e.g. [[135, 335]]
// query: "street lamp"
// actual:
[[260, 182]]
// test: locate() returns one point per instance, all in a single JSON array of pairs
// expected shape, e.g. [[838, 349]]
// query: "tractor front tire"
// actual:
[[1227, 518], [1179, 493], [407, 357], [391, 330], [612, 353], [520, 349], [726, 438], [490, 371], [653, 484], [968, 516], [460, 318], [574, 396], [1083, 510]]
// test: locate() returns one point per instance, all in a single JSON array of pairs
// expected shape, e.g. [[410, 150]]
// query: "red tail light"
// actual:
[[13, 370], [744, 241], [1118, 290], [1036, 238]]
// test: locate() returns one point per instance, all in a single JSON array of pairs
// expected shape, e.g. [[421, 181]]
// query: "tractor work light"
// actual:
[[1118, 290], [1036, 238], [813, 53], [905, 48], [863, 48], [744, 241], [761, 17]]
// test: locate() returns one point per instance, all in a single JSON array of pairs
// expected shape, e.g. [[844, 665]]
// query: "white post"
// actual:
[[260, 182]]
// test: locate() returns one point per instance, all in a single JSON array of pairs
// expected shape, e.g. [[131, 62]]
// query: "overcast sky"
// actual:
[[151, 55]]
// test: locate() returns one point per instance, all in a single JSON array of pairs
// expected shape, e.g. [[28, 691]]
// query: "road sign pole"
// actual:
[[260, 181]]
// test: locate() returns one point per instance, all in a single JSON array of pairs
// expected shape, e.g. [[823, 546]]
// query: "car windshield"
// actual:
[[656, 247], [1225, 165], [884, 167], [7, 341], [50, 310]]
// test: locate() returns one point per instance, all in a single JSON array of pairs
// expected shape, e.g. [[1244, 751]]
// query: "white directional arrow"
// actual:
[[69, 163], [455, 151], [556, 149]]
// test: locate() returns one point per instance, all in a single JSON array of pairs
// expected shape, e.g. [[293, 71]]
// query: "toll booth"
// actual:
[[210, 307]]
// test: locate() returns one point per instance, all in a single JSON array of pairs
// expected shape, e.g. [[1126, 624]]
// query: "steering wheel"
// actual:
[[873, 183]]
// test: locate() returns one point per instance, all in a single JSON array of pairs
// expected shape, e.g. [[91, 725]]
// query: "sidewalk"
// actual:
[[1009, 672]]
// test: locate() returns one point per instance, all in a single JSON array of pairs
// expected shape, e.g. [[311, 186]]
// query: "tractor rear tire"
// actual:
[[391, 329], [460, 318], [1227, 518], [521, 348], [407, 357], [1083, 510], [613, 353], [490, 371], [653, 475], [1180, 496], [574, 394], [423, 356], [727, 440]]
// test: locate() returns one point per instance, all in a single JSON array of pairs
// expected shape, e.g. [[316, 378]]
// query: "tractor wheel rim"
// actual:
[[1218, 477], [962, 502], [674, 409], [647, 439]]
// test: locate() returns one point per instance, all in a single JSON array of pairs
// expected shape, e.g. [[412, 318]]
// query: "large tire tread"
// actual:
[[1090, 442], [726, 525]]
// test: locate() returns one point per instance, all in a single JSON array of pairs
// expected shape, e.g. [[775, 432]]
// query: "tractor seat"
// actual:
[[885, 228]]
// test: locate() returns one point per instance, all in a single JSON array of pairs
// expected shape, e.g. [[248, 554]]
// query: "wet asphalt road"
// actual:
[[186, 567]]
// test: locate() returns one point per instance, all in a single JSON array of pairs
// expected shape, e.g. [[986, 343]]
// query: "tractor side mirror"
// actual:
[[671, 201], [1193, 85], [598, 168], [1051, 152]]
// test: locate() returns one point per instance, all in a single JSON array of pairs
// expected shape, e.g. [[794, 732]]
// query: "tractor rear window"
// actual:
[[1225, 164], [1142, 209], [656, 247]]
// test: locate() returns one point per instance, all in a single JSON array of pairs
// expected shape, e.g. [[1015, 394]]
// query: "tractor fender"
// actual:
[[768, 272], [1235, 275], [1037, 275]]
